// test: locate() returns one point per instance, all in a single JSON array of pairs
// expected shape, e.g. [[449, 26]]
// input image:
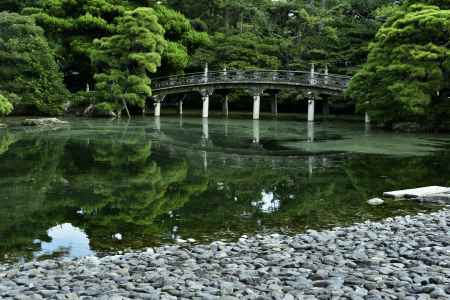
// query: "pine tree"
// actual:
[[128, 57], [406, 76], [28, 68]]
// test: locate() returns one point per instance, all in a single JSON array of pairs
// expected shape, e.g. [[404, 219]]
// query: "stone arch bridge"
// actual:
[[256, 82]]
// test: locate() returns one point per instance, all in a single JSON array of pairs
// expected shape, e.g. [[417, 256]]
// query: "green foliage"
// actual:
[[126, 58], [444, 4], [94, 45], [182, 39], [28, 68], [71, 26], [105, 106], [357, 23], [239, 51], [5, 106], [13, 5], [333, 32], [406, 76], [84, 99]]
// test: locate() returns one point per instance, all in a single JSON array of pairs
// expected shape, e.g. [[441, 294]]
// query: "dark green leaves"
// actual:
[[126, 59], [5, 106], [407, 71], [28, 68]]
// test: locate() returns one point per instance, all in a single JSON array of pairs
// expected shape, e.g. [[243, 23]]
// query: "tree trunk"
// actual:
[[126, 108]]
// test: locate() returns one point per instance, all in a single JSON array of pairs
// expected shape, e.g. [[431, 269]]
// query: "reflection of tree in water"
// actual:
[[120, 189], [336, 193], [114, 183], [339, 195], [29, 168], [6, 140], [110, 182], [227, 205]]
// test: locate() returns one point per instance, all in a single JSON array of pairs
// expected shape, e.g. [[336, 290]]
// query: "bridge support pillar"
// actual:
[[205, 110], [157, 109], [206, 93], [225, 106], [367, 118], [180, 107], [311, 107], [275, 105], [256, 106], [158, 100], [257, 92]]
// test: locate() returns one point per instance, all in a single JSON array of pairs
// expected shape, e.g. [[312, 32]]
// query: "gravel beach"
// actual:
[[398, 258]]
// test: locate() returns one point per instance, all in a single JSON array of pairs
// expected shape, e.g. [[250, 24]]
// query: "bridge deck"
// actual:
[[263, 79]]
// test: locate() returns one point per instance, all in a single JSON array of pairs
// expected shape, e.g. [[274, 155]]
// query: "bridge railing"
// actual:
[[329, 81]]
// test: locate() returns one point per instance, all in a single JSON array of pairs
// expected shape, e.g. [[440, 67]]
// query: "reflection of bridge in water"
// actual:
[[255, 82], [210, 155], [256, 130]]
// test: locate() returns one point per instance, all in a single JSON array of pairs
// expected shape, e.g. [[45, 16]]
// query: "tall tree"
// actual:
[[71, 26], [29, 75], [407, 73], [128, 57]]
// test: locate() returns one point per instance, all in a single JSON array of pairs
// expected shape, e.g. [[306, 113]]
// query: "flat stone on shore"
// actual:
[[418, 192]]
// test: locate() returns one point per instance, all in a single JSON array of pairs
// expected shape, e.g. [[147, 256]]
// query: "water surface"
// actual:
[[99, 186]]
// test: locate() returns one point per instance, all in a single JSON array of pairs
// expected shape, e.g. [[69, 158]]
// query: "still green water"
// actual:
[[98, 186]]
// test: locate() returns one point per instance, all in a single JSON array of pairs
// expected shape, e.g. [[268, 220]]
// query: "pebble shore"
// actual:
[[398, 258]]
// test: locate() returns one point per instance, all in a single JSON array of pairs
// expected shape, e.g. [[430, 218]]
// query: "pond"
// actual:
[[101, 186]]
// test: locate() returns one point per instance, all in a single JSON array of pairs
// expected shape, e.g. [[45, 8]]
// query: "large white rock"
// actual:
[[418, 192], [441, 198]]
